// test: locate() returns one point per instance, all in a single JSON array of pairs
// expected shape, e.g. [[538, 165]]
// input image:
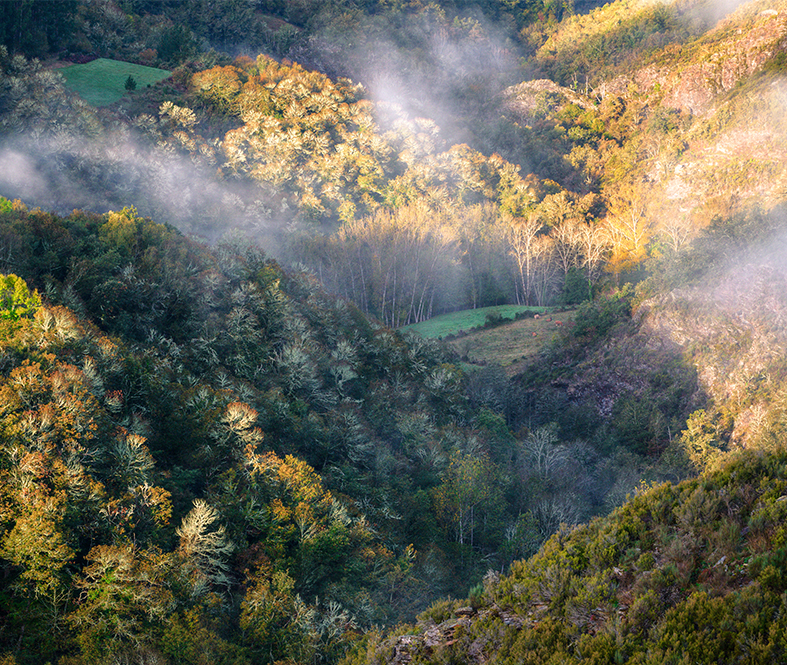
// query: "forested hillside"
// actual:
[[203, 453], [682, 573], [216, 446]]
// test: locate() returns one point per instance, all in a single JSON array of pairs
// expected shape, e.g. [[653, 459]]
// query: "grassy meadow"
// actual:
[[103, 82], [511, 343], [455, 322], [507, 345]]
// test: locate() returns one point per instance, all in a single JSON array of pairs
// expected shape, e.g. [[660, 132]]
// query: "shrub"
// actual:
[[595, 319]]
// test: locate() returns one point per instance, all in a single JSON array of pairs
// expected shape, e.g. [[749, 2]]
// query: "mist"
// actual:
[[429, 66], [713, 11], [753, 281], [108, 173]]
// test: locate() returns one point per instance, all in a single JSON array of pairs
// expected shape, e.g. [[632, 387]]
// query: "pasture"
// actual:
[[103, 82], [509, 345], [451, 324]]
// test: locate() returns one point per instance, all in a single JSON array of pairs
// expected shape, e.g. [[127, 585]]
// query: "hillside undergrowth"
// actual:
[[681, 571]]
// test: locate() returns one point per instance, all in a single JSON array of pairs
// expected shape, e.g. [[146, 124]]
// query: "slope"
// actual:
[[690, 571], [213, 449], [671, 137]]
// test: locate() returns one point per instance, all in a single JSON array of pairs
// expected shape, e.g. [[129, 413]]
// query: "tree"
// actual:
[[545, 453], [701, 440], [39, 543], [568, 241], [470, 494], [408, 251], [269, 614], [36, 28], [35, 102], [176, 44], [544, 260], [120, 230], [126, 594], [594, 242], [523, 247], [481, 242], [205, 545], [16, 301], [218, 86], [628, 228]]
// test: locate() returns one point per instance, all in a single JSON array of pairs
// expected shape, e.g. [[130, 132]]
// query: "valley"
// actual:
[[391, 332]]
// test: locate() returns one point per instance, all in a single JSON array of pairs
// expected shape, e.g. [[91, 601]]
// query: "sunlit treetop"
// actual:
[[16, 301]]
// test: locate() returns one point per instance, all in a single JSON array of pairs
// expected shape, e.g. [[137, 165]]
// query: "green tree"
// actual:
[[469, 496], [36, 28], [16, 301], [701, 440], [38, 543], [269, 615], [125, 596]]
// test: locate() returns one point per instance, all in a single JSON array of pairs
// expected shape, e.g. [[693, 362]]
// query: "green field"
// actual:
[[509, 345], [103, 82], [450, 324]]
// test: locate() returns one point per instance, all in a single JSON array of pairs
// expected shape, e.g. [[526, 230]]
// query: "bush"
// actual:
[[595, 319]]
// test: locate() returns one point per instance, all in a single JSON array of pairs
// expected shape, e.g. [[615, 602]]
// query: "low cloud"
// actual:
[[713, 11], [433, 68], [63, 174], [19, 176]]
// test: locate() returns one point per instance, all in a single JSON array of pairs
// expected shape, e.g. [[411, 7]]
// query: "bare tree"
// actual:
[[546, 267], [629, 228], [677, 229], [545, 452], [594, 245], [398, 256], [567, 237], [522, 236], [205, 544]]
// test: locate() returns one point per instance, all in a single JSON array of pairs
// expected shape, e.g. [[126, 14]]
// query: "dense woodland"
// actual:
[[216, 446]]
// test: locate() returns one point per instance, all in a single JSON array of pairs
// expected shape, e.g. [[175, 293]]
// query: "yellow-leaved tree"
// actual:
[[16, 300], [629, 229]]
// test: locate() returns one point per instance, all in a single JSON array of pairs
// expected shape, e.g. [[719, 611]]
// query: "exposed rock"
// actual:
[[433, 636], [403, 649], [510, 619], [522, 100], [694, 87]]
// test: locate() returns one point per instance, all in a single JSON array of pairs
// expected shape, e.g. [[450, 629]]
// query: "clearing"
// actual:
[[457, 322], [103, 81], [509, 345]]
